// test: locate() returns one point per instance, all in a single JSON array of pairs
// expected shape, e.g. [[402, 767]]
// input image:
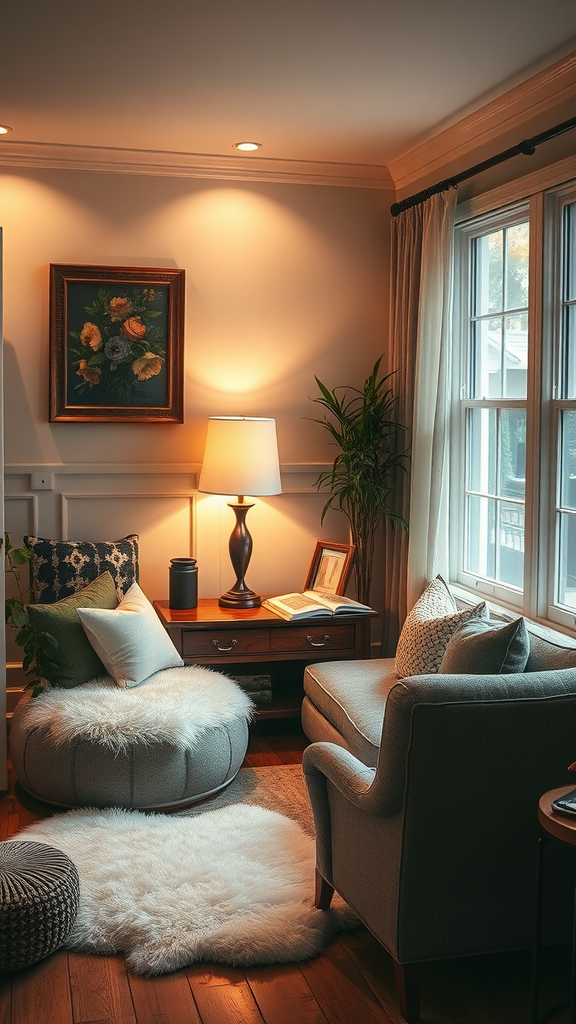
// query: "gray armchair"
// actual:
[[435, 846]]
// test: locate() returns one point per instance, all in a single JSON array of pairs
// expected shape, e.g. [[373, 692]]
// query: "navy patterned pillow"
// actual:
[[58, 568]]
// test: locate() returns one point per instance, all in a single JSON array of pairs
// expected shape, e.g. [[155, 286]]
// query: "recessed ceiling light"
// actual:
[[5, 129], [247, 147]]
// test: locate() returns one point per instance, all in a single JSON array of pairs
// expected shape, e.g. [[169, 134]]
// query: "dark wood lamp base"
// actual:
[[240, 548]]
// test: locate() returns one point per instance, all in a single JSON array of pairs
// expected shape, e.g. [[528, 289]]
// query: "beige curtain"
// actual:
[[421, 309]]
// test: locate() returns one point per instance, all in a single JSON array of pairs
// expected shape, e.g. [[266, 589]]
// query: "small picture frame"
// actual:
[[116, 344], [330, 568]]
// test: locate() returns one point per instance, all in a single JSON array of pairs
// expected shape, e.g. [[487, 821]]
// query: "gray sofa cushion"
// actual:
[[428, 628], [351, 695]]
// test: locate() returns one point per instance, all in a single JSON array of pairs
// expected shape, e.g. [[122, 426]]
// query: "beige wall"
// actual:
[[282, 282]]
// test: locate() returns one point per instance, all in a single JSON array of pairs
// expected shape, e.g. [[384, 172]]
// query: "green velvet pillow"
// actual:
[[77, 659], [484, 647]]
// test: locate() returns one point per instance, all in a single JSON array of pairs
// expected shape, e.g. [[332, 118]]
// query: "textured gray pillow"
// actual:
[[484, 647], [428, 628]]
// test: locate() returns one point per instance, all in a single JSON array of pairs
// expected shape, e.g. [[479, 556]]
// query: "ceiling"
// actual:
[[345, 81]]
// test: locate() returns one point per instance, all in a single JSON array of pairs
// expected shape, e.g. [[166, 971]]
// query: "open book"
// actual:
[[311, 604]]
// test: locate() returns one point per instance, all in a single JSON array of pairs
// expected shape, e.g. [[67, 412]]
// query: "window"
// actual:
[[513, 475]]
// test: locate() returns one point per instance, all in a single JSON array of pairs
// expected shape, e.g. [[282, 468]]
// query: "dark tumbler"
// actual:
[[183, 583]]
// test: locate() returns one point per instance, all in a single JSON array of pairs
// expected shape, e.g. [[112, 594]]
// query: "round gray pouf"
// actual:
[[145, 776], [39, 895]]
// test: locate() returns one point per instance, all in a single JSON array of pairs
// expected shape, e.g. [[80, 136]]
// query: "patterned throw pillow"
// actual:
[[428, 628], [58, 568]]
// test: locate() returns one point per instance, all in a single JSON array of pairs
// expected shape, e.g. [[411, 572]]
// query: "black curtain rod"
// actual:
[[527, 148]]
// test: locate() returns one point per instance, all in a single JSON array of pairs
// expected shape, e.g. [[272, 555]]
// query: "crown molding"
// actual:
[[109, 160], [537, 95]]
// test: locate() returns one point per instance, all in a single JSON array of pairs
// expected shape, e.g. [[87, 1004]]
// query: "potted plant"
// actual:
[[37, 644], [362, 479]]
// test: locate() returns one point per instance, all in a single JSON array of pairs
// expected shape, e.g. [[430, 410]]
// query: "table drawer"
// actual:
[[215, 642], [320, 638]]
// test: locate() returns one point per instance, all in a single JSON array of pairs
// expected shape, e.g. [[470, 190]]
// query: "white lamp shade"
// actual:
[[240, 457]]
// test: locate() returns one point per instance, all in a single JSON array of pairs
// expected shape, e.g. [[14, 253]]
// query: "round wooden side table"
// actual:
[[560, 827]]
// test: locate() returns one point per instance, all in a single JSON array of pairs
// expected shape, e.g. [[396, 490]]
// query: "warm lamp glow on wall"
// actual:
[[240, 457]]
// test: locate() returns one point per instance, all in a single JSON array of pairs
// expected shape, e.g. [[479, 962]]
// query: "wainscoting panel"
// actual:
[[20, 518], [21, 515], [163, 522]]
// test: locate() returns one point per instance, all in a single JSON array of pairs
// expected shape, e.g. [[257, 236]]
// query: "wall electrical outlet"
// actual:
[[42, 481]]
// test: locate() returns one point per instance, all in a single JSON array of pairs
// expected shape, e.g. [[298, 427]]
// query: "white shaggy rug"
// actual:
[[173, 706], [233, 885]]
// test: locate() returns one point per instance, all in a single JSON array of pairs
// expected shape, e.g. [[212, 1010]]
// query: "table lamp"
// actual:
[[240, 457]]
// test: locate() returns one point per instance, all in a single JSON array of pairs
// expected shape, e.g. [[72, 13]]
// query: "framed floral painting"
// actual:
[[116, 344]]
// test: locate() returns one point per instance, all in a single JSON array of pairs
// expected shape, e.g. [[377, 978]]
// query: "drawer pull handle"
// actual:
[[320, 643], [216, 644]]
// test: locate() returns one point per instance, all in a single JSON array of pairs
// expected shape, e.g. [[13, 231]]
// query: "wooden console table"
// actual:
[[233, 639]]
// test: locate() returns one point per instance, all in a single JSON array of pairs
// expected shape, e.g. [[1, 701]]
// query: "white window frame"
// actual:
[[544, 209], [555, 204]]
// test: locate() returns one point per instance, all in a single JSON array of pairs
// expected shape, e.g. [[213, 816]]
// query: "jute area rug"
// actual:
[[281, 789], [230, 880]]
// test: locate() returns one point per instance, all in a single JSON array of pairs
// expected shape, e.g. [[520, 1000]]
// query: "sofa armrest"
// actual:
[[328, 762], [346, 772]]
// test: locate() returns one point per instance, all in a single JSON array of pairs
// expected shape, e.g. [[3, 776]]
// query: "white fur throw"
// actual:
[[173, 706], [233, 885]]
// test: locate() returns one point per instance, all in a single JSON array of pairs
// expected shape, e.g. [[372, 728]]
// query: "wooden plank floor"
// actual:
[[350, 983]]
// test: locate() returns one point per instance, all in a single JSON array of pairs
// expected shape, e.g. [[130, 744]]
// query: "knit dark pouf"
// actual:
[[39, 895]]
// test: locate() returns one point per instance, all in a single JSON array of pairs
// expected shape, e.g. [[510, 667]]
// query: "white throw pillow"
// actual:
[[428, 629], [130, 640]]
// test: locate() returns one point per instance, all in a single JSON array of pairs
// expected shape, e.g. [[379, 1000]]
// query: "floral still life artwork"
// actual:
[[116, 342]]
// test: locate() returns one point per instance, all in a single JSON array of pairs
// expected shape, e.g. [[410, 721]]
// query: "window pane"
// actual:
[[486, 365], [516, 356], [517, 245], [567, 560], [568, 384], [512, 453], [568, 460], [510, 553], [488, 273], [481, 525], [570, 252], [482, 452], [495, 540]]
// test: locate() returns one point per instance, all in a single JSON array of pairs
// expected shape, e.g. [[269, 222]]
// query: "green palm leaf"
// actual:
[[362, 479]]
